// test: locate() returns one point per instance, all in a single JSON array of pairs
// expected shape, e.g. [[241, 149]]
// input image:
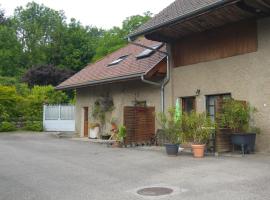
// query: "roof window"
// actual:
[[118, 60], [147, 52]]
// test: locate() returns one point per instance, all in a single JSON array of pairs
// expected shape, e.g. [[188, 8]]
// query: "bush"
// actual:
[[7, 126], [197, 127], [171, 126], [34, 126]]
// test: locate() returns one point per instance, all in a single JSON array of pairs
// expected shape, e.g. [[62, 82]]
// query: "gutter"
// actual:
[[100, 82], [183, 17], [165, 80]]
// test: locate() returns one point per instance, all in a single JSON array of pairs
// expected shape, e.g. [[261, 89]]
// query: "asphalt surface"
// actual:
[[42, 167]]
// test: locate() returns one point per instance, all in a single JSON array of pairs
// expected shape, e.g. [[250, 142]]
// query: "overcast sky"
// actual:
[[100, 13]]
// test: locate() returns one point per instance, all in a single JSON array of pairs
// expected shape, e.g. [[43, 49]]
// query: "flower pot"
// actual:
[[245, 140], [117, 144], [198, 150], [172, 149], [93, 133], [114, 126]]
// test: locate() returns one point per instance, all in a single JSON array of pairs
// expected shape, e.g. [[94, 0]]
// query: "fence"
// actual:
[[59, 117]]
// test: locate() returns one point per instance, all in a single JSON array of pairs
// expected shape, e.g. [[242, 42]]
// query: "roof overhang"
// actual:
[[212, 16], [101, 82]]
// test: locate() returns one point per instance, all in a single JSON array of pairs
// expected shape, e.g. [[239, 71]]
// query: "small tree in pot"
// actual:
[[237, 115], [197, 127], [172, 128]]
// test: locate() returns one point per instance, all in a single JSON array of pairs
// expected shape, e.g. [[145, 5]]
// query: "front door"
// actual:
[[85, 122]]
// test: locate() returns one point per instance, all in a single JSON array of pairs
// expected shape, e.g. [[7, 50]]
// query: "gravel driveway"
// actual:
[[42, 167]]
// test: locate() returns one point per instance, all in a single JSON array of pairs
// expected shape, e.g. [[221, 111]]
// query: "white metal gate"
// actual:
[[59, 117]]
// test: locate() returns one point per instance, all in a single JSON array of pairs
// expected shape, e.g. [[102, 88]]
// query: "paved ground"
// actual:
[[41, 167]]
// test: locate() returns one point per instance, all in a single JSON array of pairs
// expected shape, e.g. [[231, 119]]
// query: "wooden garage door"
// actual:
[[140, 124]]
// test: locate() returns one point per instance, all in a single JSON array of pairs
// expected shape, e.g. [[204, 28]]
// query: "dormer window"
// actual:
[[148, 52], [118, 60]]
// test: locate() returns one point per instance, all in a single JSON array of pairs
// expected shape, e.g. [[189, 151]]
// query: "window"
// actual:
[[148, 52], [212, 104], [188, 104], [118, 60]]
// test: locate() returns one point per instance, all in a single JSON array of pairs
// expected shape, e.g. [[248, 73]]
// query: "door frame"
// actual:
[[85, 121]]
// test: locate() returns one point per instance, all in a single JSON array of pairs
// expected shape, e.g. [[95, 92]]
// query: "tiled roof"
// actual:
[[130, 67], [178, 9]]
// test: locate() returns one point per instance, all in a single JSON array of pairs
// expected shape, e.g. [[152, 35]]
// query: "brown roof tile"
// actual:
[[129, 67]]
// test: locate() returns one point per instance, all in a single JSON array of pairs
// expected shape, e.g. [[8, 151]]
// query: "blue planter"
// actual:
[[172, 149], [245, 140]]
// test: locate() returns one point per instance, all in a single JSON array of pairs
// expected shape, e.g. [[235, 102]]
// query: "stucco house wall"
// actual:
[[123, 94], [246, 77]]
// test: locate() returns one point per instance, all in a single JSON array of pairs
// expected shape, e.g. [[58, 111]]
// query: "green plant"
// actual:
[[171, 126], [121, 134], [237, 116], [34, 126], [7, 126], [113, 120], [94, 125], [101, 107], [197, 127]]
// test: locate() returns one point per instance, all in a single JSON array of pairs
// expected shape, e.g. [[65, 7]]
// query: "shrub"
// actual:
[[121, 134], [197, 127], [237, 115], [34, 126], [171, 126], [7, 126]]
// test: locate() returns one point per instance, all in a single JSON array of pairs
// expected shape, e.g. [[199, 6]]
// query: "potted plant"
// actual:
[[120, 137], [197, 128], [171, 127], [94, 130], [237, 116]]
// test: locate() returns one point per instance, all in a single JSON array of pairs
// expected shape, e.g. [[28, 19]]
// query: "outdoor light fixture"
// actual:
[[198, 92]]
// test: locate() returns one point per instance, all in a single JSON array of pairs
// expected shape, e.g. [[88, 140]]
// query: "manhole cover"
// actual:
[[154, 191]]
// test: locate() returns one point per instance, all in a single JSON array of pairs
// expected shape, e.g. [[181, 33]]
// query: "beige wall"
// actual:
[[246, 77], [123, 94]]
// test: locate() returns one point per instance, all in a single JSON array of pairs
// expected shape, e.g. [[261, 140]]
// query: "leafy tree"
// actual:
[[10, 48], [3, 19], [131, 23], [114, 38], [38, 27], [78, 45], [46, 75]]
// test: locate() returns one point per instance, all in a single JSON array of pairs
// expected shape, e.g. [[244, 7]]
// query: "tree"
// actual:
[[78, 45], [115, 38], [38, 29], [131, 23], [46, 75], [3, 19], [10, 51]]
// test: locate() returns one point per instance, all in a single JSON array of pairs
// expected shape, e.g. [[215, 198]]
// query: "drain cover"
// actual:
[[154, 191]]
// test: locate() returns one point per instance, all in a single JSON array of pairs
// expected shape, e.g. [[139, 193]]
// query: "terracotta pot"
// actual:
[[114, 126], [198, 150], [117, 145]]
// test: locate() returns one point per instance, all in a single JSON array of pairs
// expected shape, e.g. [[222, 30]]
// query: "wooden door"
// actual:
[[85, 122]]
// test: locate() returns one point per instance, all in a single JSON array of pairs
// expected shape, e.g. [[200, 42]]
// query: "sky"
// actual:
[[99, 13]]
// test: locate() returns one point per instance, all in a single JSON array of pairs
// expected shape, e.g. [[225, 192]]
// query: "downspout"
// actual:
[[165, 80]]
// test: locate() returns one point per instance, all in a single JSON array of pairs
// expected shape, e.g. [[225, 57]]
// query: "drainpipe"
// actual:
[[164, 81]]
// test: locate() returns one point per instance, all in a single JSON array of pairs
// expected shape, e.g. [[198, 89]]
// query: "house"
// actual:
[[217, 49], [128, 77], [214, 49]]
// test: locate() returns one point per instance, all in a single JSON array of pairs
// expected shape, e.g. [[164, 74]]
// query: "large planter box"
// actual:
[[245, 140]]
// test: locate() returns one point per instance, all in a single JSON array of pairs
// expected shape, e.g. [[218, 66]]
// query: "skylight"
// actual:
[[118, 60], [147, 52]]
